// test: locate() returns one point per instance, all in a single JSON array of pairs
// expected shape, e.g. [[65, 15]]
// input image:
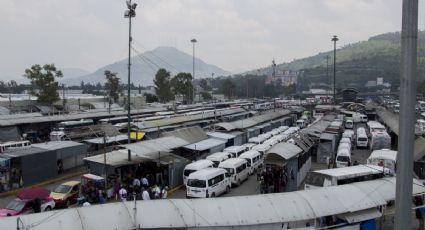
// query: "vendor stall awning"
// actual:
[[205, 144]]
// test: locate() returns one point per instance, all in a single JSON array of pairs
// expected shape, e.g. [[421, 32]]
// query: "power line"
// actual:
[[153, 54]]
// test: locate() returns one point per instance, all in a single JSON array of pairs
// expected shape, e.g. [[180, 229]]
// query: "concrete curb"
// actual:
[[67, 176]]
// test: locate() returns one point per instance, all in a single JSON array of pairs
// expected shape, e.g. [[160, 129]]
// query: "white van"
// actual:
[[265, 135], [345, 140], [344, 146], [361, 138], [210, 182], [282, 128], [343, 158], [195, 166], [248, 146], [263, 148], [257, 140], [218, 157], [237, 168], [271, 142], [254, 159], [363, 118], [348, 133], [235, 150], [349, 124], [301, 123]]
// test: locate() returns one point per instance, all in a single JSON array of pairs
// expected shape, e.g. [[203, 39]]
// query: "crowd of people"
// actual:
[[272, 180], [142, 189]]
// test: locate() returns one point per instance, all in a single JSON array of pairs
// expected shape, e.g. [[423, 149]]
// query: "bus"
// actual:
[[13, 145], [346, 175]]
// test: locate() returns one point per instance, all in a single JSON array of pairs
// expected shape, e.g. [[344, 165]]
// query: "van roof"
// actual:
[[343, 152], [218, 155], [384, 154], [232, 162], [206, 173], [261, 147], [234, 149], [199, 164], [256, 139], [249, 154]]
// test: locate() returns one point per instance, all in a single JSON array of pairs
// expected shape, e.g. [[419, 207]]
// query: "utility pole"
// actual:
[[409, 39], [193, 68], [63, 98], [212, 88], [335, 39], [130, 13], [327, 76]]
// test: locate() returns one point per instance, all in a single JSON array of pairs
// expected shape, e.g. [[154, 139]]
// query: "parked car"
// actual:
[[31, 200], [66, 194]]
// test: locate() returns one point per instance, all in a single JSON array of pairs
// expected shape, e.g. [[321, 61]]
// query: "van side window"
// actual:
[[215, 180]]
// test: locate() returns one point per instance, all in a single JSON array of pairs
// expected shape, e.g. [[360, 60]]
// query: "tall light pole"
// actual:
[[327, 76], [129, 13], [335, 39], [409, 40], [193, 66]]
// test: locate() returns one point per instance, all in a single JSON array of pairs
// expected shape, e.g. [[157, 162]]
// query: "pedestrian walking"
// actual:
[[145, 195], [164, 193], [123, 193]]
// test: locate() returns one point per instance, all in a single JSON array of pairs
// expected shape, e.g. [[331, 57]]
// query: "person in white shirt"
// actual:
[[165, 193], [156, 191], [145, 182], [136, 182], [145, 195], [123, 194]]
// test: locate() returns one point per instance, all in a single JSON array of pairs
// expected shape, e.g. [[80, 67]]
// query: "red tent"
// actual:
[[33, 193]]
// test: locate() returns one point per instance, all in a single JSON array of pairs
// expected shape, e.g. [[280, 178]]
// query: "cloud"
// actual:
[[233, 34]]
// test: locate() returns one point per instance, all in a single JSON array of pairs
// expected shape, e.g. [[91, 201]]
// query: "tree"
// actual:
[[204, 85], [150, 97], [162, 84], [228, 87], [182, 85], [43, 82], [112, 85], [206, 96]]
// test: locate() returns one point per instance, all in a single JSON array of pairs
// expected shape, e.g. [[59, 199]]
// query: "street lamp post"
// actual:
[[193, 67], [327, 76], [129, 13], [335, 39]]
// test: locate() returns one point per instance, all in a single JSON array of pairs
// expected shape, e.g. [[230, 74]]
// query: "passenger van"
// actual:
[[361, 139], [385, 158], [349, 124], [272, 141], [265, 135], [255, 161], [237, 168], [344, 146], [218, 157], [343, 158], [248, 146], [262, 149], [195, 166], [301, 123], [363, 118], [235, 150], [348, 133], [209, 182], [256, 140]]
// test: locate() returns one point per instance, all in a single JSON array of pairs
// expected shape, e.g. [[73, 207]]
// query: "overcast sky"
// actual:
[[232, 34]]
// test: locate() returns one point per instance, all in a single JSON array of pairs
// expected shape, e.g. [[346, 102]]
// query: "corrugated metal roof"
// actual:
[[117, 158], [108, 139], [220, 212], [190, 134], [149, 148], [282, 150], [224, 136], [23, 151], [54, 145], [6, 121], [419, 149], [249, 122], [205, 144]]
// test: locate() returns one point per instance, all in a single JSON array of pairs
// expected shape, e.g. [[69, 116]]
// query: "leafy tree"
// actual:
[[112, 85], [204, 85], [206, 96], [182, 85], [228, 88], [150, 98], [162, 84], [43, 80]]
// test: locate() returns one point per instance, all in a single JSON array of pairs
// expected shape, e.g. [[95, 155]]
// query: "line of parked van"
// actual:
[[343, 156], [220, 171]]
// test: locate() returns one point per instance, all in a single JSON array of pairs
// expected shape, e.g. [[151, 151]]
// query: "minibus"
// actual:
[[237, 168], [255, 161], [209, 182], [195, 166]]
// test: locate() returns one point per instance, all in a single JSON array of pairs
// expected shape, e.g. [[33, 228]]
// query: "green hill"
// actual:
[[357, 63]]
